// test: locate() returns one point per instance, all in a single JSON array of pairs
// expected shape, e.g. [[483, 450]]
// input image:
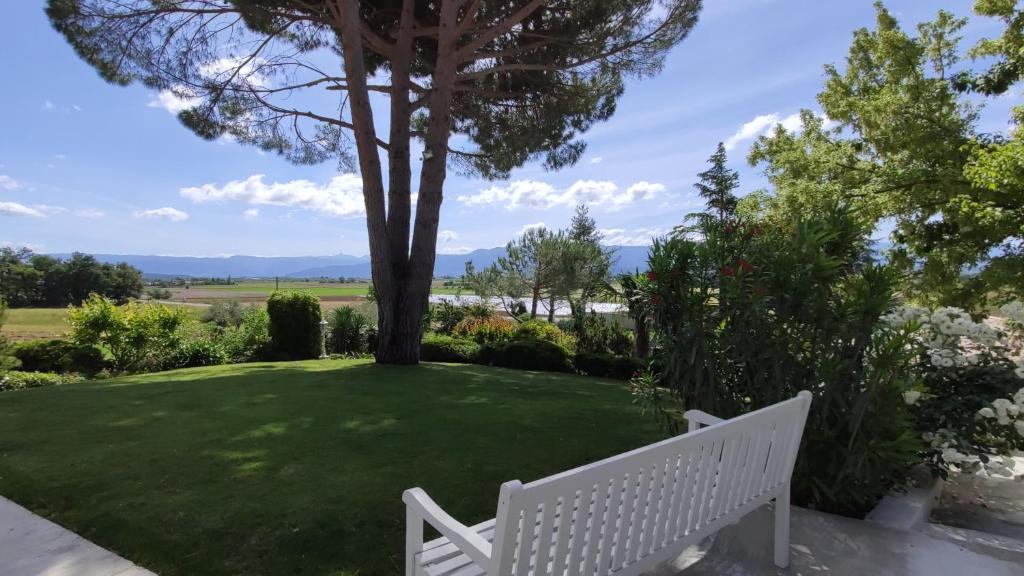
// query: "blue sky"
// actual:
[[93, 167]]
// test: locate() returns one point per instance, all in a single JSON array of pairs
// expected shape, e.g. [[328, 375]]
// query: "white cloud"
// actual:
[[251, 214], [596, 160], [765, 123], [76, 107], [15, 209], [447, 235], [60, 156], [541, 195], [446, 249], [90, 213], [167, 213], [635, 237], [342, 196], [8, 183], [527, 227], [50, 210], [173, 101], [47, 105]]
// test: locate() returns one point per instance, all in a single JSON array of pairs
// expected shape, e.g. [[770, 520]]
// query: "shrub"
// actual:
[[294, 325], [446, 315], [485, 330], [158, 293], [195, 353], [444, 348], [7, 360], [597, 334], [59, 356], [348, 331], [250, 340], [527, 355], [753, 314], [16, 380], [224, 314], [138, 336], [608, 365], [541, 330]]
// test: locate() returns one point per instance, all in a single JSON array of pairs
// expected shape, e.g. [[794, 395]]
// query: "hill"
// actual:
[[627, 258]]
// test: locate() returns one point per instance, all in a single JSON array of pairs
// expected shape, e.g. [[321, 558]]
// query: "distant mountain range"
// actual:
[[627, 258]]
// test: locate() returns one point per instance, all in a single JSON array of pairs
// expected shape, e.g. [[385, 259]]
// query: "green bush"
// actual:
[[195, 353], [755, 313], [138, 336], [294, 325], [527, 355], [7, 360], [250, 340], [541, 330], [59, 356], [348, 331], [485, 330], [224, 314], [157, 293], [444, 348], [446, 315], [599, 335], [608, 365], [16, 380]]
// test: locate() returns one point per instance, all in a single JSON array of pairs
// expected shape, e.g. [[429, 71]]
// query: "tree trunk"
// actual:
[[551, 309], [533, 306], [643, 338]]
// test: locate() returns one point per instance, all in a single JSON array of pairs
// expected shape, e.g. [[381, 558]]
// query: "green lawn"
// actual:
[[295, 468]]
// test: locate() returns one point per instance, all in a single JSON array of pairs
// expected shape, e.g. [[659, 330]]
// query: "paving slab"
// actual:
[[824, 544], [33, 546], [992, 504]]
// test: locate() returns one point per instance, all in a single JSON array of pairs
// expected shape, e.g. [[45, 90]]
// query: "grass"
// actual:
[[32, 323], [295, 468], [35, 323]]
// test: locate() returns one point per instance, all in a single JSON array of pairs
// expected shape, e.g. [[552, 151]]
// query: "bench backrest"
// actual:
[[624, 514]]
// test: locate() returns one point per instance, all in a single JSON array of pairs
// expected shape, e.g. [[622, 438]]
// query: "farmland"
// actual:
[[331, 294]]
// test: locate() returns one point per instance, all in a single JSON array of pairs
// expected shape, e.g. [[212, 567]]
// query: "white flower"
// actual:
[[987, 412], [911, 397], [927, 436], [951, 456]]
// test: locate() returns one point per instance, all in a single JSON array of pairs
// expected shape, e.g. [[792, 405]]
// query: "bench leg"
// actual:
[[413, 540], [782, 528]]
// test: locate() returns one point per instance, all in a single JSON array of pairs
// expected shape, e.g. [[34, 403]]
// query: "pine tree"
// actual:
[[716, 185]]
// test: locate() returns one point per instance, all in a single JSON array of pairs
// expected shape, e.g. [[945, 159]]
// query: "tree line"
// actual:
[[28, 279]]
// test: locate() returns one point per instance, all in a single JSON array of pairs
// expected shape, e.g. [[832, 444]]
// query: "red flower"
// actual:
[[656, 299], [744, 265], [759, 291], [729, 271], [728, 229], [755, 231], [637, 373], [651, 275]]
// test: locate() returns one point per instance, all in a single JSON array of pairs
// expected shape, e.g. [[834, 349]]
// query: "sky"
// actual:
[[93, 167]]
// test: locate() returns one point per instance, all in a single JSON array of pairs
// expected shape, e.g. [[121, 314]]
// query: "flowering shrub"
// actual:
[[753, 314], [485, 330], [962, 408]]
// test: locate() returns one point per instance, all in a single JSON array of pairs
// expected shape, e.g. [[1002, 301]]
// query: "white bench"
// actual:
[[626, 514]]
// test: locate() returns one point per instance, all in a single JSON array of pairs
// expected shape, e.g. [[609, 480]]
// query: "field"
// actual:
[[259, 290], [295, 468], [35, 323]]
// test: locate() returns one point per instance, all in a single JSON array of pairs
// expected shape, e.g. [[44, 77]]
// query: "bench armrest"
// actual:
[[697, 418], [463, 537]]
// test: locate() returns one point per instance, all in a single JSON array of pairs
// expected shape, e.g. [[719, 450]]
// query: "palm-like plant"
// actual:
[[630, 289]]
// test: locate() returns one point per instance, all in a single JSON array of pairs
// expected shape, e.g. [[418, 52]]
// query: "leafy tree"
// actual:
[[28, 279], [530, 264], [516, 81], [905, 148]]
